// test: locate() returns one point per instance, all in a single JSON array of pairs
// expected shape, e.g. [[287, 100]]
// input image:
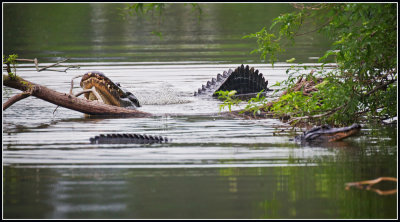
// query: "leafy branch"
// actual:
[[365, 50]]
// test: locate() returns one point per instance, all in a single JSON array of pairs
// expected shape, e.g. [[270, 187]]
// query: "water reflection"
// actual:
[[272, 192], [98, 32]]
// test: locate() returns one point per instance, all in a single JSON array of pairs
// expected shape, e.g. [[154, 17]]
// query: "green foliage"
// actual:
[[267, 43], [11, 61], [227, 97], [255, 104], [365, 50]]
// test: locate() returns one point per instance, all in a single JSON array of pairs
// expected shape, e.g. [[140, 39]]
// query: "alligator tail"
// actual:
[[127, 138], [243, 79]]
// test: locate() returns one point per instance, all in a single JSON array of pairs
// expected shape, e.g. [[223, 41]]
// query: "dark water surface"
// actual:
[[215, 167]]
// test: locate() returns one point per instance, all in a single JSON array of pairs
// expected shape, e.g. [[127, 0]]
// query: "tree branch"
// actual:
[[330, 112], [379, 87], [70, 101], [15, 99]]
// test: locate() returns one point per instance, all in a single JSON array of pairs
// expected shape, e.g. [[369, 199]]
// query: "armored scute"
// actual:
[[127, 138]]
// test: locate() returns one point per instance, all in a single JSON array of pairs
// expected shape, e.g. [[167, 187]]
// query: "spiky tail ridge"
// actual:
[[244, 80], [126, 138]]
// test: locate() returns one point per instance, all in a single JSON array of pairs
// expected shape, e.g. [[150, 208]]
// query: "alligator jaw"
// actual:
[[109, 92]]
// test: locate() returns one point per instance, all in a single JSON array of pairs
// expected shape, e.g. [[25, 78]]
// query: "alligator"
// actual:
[[319, 134], [111, 93], [246, 81], [325, 133]]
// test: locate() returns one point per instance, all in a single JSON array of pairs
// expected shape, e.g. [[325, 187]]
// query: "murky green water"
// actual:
[[215, 167]]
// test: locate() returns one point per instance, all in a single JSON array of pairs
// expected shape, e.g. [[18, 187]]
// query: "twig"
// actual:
[[379, 87], [65, 70], [317, 116], [72, 83], [55, 64], [35, 61]]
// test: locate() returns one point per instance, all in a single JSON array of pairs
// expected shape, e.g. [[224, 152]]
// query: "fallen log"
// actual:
[[67, 100]]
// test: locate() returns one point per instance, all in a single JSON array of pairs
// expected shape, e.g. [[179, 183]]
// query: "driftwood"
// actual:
[[65, 100]]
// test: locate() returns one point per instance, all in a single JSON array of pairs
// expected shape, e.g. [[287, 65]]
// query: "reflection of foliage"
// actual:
[[150, 8], [141, 9], [365, 48]]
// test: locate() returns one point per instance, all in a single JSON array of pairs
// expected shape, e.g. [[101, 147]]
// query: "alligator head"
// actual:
[[326, 133], [110, 92], [244, 80]]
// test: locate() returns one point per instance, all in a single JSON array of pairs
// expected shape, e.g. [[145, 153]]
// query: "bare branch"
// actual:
[[379, 87], [55, 64], [35, 61], [15, 99], [330, 112], [72, 83]]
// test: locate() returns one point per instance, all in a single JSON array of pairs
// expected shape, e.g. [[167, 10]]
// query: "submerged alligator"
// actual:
[[127, 138], [246, 81], [319, 134], [325, 133]]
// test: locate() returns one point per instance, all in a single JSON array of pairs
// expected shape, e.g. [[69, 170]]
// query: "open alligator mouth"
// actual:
[[326, 133], [110, 92]]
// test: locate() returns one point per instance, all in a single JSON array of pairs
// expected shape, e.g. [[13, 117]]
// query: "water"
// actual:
[[214, 167]]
